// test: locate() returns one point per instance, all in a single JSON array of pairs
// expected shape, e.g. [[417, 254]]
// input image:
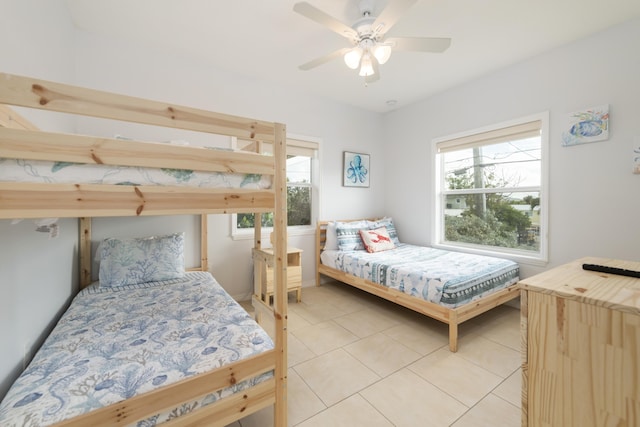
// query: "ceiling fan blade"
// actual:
[[390, 15], [419, 44], [324, 59], [315, 14]]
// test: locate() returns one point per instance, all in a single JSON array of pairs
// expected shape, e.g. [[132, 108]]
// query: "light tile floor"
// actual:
[[357, 360]]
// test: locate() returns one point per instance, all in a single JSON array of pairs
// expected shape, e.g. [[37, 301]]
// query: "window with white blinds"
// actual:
[[491, 189]]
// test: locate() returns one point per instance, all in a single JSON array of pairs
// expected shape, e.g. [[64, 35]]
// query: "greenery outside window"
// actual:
[[302, 167], [491, 189]]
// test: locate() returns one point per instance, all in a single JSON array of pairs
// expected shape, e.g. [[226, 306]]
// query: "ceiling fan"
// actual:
[[368, 36]]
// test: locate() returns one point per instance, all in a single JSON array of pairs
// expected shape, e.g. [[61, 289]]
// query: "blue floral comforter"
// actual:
[[115, 343], [443, 277]]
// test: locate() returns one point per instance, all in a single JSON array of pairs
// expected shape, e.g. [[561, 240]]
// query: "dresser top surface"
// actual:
[[571, 281]]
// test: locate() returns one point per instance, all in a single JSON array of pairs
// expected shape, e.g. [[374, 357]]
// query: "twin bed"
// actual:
[[150, 343], [452, 287]]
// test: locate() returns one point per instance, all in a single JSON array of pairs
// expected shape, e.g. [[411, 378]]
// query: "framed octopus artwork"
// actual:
[[355, 169]]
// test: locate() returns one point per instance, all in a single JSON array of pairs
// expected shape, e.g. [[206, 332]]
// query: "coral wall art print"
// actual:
[[588, 125], [356, 170]]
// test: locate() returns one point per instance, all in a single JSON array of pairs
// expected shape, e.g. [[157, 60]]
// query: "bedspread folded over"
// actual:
[[113, 344], [443, 277]]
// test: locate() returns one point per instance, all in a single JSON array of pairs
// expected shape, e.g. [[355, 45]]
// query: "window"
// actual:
[[491, 189], [302, 189]]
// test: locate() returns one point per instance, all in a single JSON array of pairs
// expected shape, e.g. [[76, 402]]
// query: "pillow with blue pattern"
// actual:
[[348, 234], [141, 260], [386, 222]]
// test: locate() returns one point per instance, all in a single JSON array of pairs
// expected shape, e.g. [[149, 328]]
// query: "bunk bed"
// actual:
[[448, 286], [263, 373]]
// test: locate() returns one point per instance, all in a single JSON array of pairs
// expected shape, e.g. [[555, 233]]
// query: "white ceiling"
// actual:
[[266, 40]]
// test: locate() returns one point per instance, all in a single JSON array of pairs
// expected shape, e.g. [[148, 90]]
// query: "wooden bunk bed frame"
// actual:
[[451, 316], [20, 139]]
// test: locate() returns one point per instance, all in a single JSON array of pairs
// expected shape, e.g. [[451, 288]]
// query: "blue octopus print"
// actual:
[[357, 172]]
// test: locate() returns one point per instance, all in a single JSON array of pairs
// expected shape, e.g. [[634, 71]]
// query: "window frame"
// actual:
[[439, 202], [310, 143]]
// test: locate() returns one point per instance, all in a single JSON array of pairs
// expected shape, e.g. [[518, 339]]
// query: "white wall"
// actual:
[[38, 275], [594, 199]]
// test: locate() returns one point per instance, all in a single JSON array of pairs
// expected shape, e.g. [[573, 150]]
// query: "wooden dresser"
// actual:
[[581, 347]]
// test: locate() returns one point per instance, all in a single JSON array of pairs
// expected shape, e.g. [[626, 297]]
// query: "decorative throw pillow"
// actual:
[[376, 240], [348, 234], [141, 260], [386, 222]]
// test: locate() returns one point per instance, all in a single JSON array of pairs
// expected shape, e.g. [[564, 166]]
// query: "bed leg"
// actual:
[[453, 337]]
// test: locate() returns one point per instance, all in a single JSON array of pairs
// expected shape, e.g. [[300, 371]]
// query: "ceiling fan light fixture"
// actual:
[[382, 53], [370, 46], [366, 66], [352, 58]]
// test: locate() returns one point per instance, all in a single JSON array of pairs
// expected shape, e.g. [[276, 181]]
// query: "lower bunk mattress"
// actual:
[[447, 278], [115, 343]]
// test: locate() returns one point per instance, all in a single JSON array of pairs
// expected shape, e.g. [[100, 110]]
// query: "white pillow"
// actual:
[[331, 242]]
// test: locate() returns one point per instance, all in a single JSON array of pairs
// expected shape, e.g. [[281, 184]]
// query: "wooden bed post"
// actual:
[[319, 246], [257, 217], [257, 228], [204, 242], [257, 245], [280, 273], [453, 331], [85, 252], [257, 270]]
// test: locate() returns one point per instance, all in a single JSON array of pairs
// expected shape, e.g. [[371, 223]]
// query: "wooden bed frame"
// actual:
[[451, 316], [19, 139]]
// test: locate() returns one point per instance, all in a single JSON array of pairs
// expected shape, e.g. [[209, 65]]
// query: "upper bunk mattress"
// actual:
[[447, 278], [38, 171], [115, 343]]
